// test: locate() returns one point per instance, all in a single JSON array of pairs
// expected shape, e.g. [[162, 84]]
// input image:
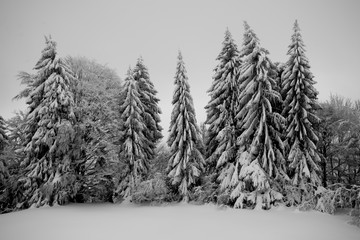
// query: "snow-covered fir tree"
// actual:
[[49, 132], [260, 158], [221, 111], [300, 106], [186, 162], [151, 113], [134, 146]]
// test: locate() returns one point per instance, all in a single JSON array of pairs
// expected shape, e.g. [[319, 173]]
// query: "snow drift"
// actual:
[[180, 221]]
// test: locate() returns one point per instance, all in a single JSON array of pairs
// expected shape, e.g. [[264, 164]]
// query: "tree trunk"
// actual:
[[324, 178]]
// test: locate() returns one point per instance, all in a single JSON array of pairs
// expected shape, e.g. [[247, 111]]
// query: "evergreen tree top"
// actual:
[[229, 48], [297, 43], [141, 74], [249, 32], [298, 62], [180, 57], [140, 64], [129, 75], [182, 88], [181, 76], [132, 103], [228, 37], [229, 62], [140, 67], [140, 60], [296, 26], [49, 52], [251, 41]]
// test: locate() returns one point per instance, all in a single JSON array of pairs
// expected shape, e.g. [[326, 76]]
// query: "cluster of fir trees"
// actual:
[[259, 145], [74, 142], [261, 140]]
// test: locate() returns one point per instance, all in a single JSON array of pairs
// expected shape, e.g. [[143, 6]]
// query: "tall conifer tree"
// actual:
[[260, 157], [49, 131], [151, 113], [221, 112], [300, 106], [186, 161], [134, 147]]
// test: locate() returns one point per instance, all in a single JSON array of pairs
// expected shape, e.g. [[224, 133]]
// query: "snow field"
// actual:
[[180, 221]]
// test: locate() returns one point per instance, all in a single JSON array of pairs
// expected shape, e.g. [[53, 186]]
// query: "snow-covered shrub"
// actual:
[[100, 190], [303, 197], [326, 200], [258, 199], [207, 191], [223, 199], [355, 214], [154, 190], [337, 196], [293, 195], [160, 161], [355, 201]]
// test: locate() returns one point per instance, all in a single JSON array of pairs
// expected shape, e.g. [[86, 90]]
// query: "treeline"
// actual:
[[87, 136]]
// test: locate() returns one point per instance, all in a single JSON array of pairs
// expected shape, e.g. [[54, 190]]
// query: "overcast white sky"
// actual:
[[116, 33]]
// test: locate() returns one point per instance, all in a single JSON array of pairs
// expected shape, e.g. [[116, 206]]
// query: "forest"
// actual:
[[88, 136]]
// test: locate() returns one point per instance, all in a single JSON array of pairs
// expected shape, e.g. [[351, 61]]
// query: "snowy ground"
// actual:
[[182, 221]]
